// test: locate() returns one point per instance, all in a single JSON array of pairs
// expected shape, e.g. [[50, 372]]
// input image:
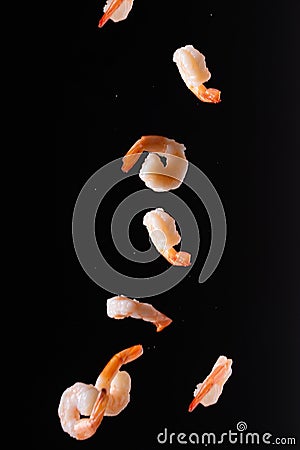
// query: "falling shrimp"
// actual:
[[116, 10], [120, 307], [109, 396], [192, 68], [208, 392], [156, 175], [164, 235]]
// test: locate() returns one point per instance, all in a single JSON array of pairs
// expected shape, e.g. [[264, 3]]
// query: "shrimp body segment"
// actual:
[[108, 397], [119, 393], [156, 175], [208, 392], [192, 68], [164, 235], [116, 10], [120, 307]]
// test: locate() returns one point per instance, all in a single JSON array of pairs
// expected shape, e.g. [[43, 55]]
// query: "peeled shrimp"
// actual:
[[156, 175], [210, 390], [162, 231], [120, 307], [193, 70], [108, 397], [116, 10]]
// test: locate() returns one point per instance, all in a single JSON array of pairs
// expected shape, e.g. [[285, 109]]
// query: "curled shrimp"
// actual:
[[86, 400], [108, 397], [116, 10], [156, 175], [120, 307], [210, 390], [162, 231], [193, 70]]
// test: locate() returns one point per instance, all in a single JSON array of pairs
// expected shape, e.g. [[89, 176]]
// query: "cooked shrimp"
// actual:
[[116, 10], [193, 70], [162, 231], [154, 173], [108, 397], [120, 307], [210, 390], [82, 399]]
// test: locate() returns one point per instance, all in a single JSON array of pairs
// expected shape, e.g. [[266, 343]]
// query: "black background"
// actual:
[[119, 83]]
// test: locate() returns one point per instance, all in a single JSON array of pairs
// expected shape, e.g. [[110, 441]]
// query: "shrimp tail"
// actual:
[[162, 324], [210, 95], [132, 156], [108, 13], [177, 258], [86, 428], [129, 354], [114, 364], [123, 357], [205, 388]]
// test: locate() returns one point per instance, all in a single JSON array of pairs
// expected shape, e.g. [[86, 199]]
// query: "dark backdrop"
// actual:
[[119, 83]]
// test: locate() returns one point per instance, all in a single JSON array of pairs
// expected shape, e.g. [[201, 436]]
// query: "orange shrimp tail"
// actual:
[[178, 258], [206, 386], [201, 394], [108, 13], [129, 161], [211, 96], [132, 353], [86, 428], [132, 156], [162, 324], [207, 95], [126, 356]]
